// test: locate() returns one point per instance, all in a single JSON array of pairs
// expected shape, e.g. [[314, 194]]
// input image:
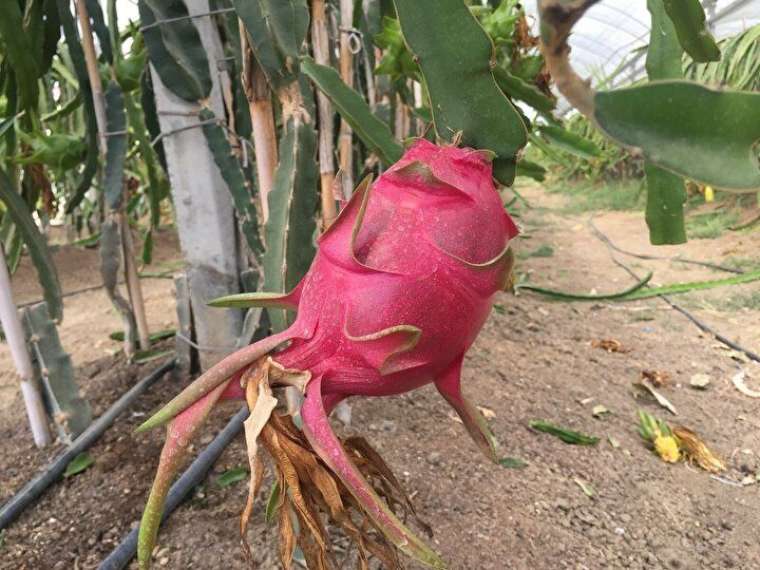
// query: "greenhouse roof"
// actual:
[[607, 41]]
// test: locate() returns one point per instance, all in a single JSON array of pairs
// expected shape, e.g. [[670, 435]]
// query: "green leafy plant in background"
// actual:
[[612, 163], [680, 127], [49, 142], [738, 66]]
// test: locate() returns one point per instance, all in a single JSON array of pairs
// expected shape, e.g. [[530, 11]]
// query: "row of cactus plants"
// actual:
[[49, 126], [736, 69]]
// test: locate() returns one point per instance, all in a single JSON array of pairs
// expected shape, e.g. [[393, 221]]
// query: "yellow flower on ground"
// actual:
[[666, 447]]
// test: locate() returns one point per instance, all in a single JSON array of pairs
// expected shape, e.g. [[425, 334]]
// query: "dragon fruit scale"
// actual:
[[401, 284]]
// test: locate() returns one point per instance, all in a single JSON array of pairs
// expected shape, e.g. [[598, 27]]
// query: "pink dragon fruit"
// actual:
[[401, 285]]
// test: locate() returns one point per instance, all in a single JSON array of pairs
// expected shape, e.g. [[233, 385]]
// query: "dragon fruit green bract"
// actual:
[[401, 285]]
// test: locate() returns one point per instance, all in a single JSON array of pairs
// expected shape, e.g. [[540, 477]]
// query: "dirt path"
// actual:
[[533, 360], [89, 316]]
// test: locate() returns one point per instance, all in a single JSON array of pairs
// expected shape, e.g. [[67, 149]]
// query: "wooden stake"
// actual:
[[321, 45], [14, 335], [262, 121], [345, 146]]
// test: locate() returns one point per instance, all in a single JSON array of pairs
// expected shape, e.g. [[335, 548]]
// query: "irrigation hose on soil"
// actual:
[[11, 510], [699, 324], [125, 551]]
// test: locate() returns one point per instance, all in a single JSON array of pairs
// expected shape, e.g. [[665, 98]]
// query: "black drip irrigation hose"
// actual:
[[719, 337], [609, 243], [34, 488], [699, 324], [195, 474]]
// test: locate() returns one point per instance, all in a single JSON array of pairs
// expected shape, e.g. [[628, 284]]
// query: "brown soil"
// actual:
[[533, 360]]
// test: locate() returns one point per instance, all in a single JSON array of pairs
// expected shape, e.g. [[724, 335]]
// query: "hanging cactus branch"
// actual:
[[353, 108], [557, 20], [666, 192], [475, 107], [688, 129], [239, 187]]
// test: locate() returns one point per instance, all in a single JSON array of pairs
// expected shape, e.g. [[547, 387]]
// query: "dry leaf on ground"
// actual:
[[600, 411], [646, 386], [696, 450], [587, 489], [738, 381], [658, 378], [610, 345], [488, 413]]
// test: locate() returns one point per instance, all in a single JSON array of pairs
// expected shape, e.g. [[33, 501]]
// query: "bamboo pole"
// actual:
[[369, 78], [345, 146], [134, 290], [229, 107], [91, 61], [259, 98], [14, 334], [328, 188], [321, 45]]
